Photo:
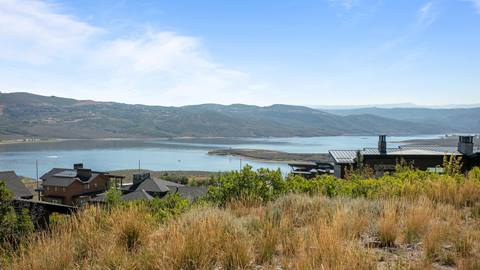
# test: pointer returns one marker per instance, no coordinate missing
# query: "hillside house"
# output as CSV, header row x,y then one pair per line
x,y
146,187
73,186
15,185
383,159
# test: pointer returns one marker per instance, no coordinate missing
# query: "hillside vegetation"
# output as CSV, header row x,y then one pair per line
x,y
260,220
27,115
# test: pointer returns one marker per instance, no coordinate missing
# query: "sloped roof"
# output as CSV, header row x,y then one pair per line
x,y
168,183
343,156
15,185
192,193
151,185
64,177
140,194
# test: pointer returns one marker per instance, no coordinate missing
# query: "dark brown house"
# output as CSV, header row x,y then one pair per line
x,y
383,159
73,186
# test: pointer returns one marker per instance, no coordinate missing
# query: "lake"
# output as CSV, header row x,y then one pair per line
x,y
169,154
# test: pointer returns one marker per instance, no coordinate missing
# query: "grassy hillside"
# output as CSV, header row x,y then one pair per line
x,y
259,220
28,115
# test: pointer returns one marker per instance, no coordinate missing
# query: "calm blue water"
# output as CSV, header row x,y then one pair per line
x,y
179,154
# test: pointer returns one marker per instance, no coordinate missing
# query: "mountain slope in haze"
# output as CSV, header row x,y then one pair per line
x,y
29,115
456,119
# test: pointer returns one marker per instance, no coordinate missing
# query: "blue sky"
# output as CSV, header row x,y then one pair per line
x,y
324,52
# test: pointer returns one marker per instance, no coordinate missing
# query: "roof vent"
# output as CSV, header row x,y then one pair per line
x,y
140,177
84,174
382,144
77,166
465,145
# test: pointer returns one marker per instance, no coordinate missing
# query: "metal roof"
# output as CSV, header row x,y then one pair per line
x,y
343,156
349,156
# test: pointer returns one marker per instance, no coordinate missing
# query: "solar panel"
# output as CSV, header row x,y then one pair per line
x,y
66,174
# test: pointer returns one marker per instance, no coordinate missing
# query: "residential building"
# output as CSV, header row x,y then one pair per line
x,y
383,159
73,186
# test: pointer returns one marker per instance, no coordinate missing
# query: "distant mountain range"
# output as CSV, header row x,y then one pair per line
x,y
462,120
25,115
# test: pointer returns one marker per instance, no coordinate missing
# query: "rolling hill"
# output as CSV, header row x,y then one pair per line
x,y
453,120
28,115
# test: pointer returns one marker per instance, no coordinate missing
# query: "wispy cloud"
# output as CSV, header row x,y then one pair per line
x,y
476,4
347,4
426,14
63,55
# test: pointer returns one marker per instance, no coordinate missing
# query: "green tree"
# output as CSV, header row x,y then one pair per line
x,y
113,196
247,184
8,218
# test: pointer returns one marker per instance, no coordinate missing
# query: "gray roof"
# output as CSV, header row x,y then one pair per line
x,y
192,193
15,185
63,177
343,156
140,194
168,183
152,185
349,156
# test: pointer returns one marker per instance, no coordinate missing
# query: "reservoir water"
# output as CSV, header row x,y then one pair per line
x,y
171,154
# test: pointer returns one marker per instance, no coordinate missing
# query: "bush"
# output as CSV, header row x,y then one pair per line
x,y
262,185
13,226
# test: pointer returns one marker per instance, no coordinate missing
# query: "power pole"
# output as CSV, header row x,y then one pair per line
x,y
38,182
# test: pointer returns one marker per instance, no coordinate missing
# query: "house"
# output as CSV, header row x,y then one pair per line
x,y
15,185
383,159
73,186
146,187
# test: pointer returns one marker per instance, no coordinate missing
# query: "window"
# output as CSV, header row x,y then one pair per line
x,y
64,189
55,188
95,185
56,201
86,186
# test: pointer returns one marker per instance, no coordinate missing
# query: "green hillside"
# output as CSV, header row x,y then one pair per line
x,y
28,115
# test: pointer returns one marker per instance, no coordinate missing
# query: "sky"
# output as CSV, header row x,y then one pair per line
x,y
262,52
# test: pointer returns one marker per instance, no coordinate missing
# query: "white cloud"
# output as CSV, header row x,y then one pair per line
x,y
32,32
62,55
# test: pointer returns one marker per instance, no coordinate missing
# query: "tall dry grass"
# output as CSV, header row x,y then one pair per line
x,y
293,232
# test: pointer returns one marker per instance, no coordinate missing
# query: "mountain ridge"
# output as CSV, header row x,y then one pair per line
x,y
28,115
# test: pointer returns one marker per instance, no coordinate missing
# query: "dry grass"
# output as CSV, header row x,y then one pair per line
x,y
293,232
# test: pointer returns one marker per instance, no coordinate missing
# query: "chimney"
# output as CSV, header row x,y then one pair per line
x,y
84,174
465,145
382,144
140,177
77,166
